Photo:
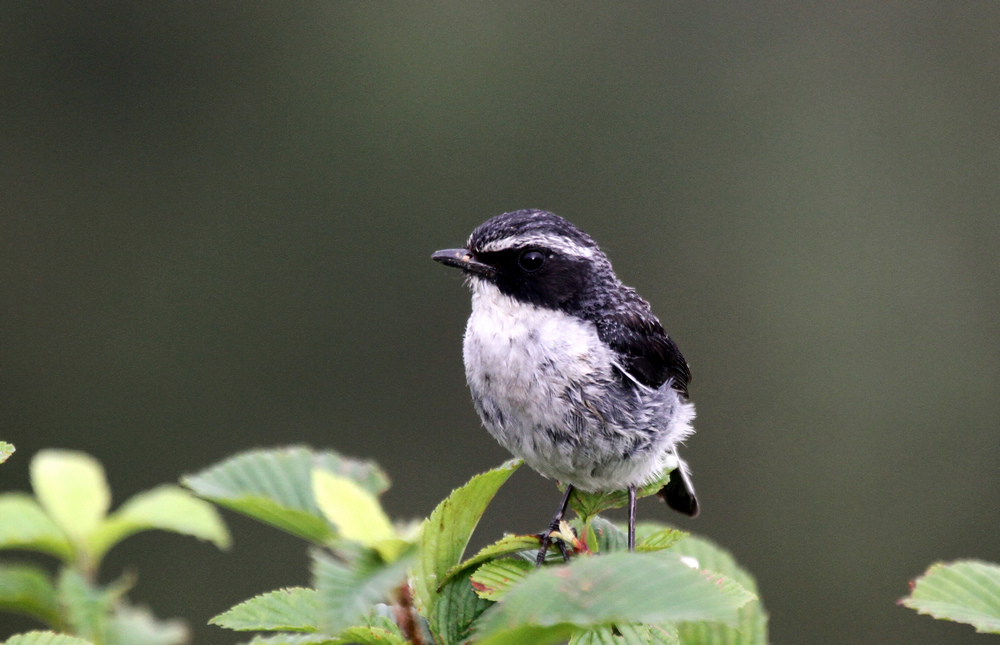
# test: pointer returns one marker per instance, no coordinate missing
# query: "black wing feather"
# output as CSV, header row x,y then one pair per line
x,y
651,358
644,349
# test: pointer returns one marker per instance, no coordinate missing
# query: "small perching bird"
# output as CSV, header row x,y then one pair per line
x,y
568,368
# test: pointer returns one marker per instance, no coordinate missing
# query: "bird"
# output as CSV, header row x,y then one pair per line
x,y
568,368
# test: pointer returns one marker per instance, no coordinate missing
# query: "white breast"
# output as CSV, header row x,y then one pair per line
x,y
524,355
520,360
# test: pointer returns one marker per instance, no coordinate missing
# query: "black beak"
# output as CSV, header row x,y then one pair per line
x,y
463,259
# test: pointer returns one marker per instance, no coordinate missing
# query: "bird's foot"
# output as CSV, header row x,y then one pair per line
x,y
564,537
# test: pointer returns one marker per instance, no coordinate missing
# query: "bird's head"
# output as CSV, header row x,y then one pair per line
x,y
535,257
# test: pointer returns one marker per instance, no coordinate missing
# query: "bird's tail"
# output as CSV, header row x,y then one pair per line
x,y
679,491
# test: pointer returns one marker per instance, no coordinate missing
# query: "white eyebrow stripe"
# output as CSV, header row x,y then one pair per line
x,y
555,242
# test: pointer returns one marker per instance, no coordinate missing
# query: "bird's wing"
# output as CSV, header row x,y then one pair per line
x,y
646,354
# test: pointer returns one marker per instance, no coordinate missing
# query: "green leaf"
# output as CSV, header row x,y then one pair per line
x,y
294,639
24,525
627,635
751,628
369,636
659,539
492,580
383,617
137,626
27,589
6,450
302,524
275,487
965,591
380,631
167,508
506,545
293,610
45,638
587,505
347,591
443,540
356,513
667,634
71,486
606,537
447,531
534,634
614,588
456,608
88,609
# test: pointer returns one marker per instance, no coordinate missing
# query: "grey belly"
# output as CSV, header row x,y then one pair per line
x,y
598,436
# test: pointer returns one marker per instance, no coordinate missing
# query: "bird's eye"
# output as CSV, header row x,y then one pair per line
x,y
531,261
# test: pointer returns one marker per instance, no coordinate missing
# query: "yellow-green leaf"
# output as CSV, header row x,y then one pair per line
x,y
355,512
71,487
275,486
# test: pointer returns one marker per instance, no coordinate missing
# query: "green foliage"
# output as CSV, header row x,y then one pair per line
x,y
370,636
603,536
445,535
361,561
68,518
359,557
73,491
588,505
616,588
167,508
45,638
24,525
275,487
664,634
356,514
88,606
291,610
506,545
658,538
27,589
450,607
131,625
492,580
966,591
373,581
348,590
292,639
717,564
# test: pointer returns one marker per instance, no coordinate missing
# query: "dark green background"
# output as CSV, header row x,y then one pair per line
x,y
217,221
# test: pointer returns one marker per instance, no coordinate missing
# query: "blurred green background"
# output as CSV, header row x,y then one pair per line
x,y
217,220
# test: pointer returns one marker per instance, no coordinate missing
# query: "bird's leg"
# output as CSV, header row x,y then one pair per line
x,y
553,526
631,518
